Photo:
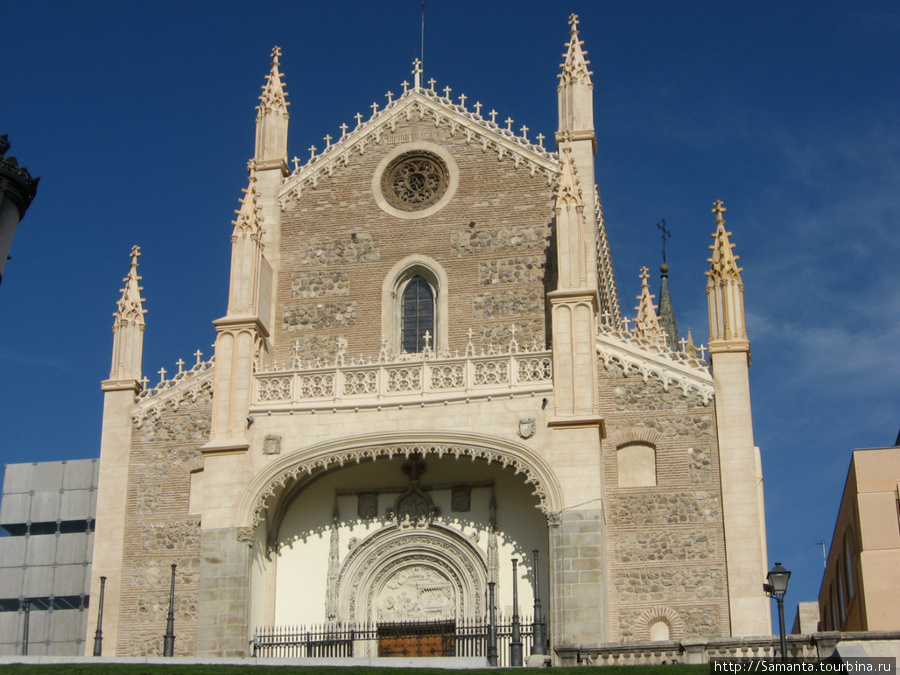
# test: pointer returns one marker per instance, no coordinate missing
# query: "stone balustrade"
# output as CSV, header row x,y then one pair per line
x,y
403,382
808,647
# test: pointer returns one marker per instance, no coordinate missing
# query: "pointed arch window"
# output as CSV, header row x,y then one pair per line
x,y
414,302
417,318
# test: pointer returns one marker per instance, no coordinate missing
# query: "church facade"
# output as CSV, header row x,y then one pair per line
x,y
424,373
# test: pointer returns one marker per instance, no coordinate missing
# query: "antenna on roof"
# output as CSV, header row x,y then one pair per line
x,y
423,36
661,226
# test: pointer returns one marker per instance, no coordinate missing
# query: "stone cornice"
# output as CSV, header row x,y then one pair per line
x,y
423,104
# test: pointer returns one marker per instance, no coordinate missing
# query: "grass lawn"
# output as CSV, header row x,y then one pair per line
x,y
178,669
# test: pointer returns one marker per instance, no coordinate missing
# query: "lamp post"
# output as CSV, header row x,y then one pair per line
x,y
492,627
169,637
17,190
539,640
98,636
776,587
515,643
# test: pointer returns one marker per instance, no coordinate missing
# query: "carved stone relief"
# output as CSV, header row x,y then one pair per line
x,y
461,498
367,505
417,593
272,445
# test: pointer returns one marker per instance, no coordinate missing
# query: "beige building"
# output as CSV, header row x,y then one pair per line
x,y
424,372
861,587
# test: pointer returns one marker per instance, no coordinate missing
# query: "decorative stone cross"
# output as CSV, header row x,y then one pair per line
x,y
199,356
683,344
162,374
625,323
343,129
296,162
405,85
447,91
702,351
180,364
719,209
427,338
573,21
513,329
606,316
327,140
493,115
508,121
390,97
312,151
374,108
358,117
417,73
540,138
462,100
524,131
478,106
431,84
145,381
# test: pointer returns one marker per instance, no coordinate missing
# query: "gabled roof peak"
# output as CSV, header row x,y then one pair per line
x,y
575,67
422,103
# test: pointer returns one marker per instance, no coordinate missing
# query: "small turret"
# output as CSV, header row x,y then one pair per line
x,y
128,327
272,121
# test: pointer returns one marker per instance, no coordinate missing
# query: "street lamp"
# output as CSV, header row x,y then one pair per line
x,y
778,579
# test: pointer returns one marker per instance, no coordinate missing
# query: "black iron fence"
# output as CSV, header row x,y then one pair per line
x,y
419,638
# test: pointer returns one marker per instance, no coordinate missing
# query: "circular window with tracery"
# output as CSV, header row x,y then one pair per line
x,y
415,180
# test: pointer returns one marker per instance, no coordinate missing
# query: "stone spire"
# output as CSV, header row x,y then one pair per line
x,y
575,90
272,120
647,323
128,327
666,311
725,292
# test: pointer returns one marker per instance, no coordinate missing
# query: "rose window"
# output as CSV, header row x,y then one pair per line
x,y
415,180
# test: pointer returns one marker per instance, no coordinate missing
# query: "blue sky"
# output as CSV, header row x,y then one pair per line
x,y
139,117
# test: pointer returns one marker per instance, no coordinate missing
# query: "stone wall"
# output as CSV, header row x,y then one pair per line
x,y
580,577
491,239
160,531
666,542
225,589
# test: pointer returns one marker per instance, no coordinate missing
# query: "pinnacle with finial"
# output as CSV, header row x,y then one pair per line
x,y
273,97
574,67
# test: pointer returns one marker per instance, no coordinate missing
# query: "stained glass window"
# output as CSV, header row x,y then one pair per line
x,y
417,315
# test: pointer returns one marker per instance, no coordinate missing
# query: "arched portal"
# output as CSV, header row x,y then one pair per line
x,y
413,535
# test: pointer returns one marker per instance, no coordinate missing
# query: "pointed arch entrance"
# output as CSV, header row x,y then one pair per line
x,y
349,534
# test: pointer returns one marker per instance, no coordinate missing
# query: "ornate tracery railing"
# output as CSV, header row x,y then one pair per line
x,y
402,381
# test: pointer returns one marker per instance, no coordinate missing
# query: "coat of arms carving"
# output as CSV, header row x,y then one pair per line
x,y
526,427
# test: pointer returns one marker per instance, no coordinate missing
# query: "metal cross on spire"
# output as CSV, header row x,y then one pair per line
x,y
661,226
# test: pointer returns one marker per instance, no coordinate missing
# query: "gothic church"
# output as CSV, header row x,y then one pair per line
x,y
423,373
